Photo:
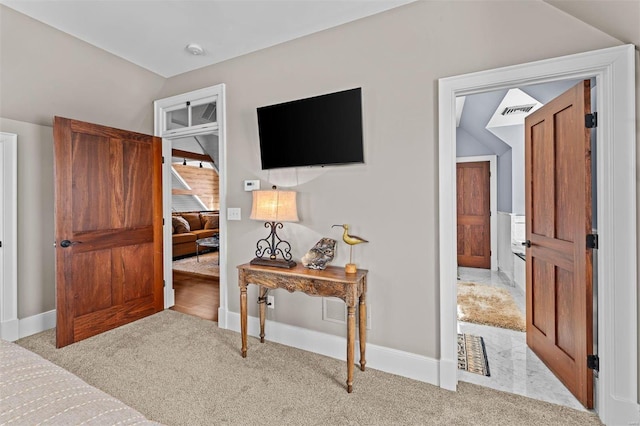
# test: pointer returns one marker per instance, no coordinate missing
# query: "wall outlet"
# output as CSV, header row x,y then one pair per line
x,y
271,302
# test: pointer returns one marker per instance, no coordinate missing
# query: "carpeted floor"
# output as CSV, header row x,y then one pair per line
x,y
181,370
489,305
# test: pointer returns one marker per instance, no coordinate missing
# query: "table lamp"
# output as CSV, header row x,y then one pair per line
x,y
274,207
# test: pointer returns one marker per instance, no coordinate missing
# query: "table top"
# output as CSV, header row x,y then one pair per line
x,y
209,242
331,273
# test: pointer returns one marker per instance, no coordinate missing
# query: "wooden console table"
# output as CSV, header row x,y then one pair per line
x,y
331,282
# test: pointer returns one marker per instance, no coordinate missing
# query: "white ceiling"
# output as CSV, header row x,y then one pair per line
x,y
154,33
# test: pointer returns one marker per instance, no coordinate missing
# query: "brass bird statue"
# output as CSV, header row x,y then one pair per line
x,y
351,240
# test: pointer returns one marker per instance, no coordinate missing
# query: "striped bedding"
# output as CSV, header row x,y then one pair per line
x,y
35,391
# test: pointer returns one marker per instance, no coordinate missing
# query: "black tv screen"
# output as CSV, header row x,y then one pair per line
x,y
321,130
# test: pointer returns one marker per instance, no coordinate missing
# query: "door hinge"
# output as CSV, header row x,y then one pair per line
x,y
164,283
163,160
591,120
163,221
593,362
592,241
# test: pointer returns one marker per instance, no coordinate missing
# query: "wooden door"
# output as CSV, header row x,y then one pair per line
x,y
108,228
474,214
558,219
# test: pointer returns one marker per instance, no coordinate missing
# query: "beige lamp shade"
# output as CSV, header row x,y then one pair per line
x,y
274,206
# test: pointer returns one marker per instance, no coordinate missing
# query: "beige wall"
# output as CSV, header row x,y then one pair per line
x,y
46,72
397,58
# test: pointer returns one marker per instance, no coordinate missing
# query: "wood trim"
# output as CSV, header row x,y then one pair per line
x,y
191,155
158,228
62,155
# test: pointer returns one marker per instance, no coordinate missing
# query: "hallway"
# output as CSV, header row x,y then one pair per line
x,y
513,366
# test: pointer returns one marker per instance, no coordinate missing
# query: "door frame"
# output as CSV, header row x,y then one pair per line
x,y
614,70
493,201
9,329
217,91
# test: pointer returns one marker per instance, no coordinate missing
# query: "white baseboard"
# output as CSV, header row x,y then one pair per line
x,y
9,330
16,329
406,364
36,323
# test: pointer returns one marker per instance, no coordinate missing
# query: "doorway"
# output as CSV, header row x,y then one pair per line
x,y
197,113
474,241
616,266
491,305
195,211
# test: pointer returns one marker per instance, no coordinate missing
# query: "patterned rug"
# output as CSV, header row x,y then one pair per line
x,y
208,265
472,355
489,305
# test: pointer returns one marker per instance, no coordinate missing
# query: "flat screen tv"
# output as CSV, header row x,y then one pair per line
x,y
316,131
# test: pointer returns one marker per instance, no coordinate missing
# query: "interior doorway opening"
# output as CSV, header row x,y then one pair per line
x,y
195,211
614,71
199,114
492,305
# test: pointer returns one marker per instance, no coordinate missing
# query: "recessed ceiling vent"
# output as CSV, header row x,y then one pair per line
x,y
517,109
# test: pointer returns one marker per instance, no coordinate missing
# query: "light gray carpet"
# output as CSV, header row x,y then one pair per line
x,y
182,370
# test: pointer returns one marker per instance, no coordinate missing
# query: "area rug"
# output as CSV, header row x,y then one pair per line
x,y
472,354
208,265
489,305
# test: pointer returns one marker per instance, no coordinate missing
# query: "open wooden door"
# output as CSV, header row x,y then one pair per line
x,y
474,214
108,208
558,220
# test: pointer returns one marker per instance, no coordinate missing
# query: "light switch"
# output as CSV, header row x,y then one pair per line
x,y
234,213
252,185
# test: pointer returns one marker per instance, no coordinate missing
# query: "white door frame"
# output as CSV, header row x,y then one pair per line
x,y
9,237
214,92
493,201
614,70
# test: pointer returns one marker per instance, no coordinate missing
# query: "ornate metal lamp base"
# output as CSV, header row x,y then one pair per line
x,y
268,248
278,263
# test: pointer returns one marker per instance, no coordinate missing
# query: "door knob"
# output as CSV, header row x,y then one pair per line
x,y
67,243
527,243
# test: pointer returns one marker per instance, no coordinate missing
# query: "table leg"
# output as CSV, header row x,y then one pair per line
x,y
362,324
197,254
351,331
243,318
263,304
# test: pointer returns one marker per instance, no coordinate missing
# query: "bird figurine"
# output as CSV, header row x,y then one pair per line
x,y
351,240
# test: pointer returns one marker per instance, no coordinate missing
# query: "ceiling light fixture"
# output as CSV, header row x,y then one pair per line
x,y
195,49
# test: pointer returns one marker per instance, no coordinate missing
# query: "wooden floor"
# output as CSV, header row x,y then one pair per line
x,y
196,295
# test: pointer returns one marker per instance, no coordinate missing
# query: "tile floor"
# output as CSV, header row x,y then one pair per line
x,y
513,366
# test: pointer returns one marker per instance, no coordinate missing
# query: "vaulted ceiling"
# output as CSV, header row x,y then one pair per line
x,y
154,34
